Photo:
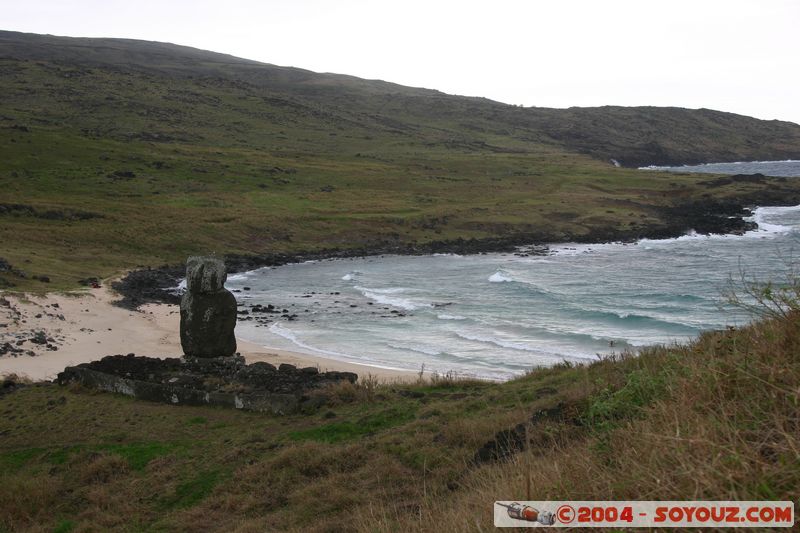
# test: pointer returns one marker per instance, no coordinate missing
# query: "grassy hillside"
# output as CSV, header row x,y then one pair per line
x,y
116,153
634,135
717,419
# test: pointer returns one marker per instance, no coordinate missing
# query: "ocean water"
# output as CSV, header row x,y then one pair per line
x,y
497,315
788,168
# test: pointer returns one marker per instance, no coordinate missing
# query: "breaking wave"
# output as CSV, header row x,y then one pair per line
x,y
385,297
419,348
512,345
445,316
500,277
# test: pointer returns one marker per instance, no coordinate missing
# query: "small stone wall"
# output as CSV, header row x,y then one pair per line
x,y
224,382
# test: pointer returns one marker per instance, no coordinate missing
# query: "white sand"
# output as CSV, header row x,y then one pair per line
x,y
93,328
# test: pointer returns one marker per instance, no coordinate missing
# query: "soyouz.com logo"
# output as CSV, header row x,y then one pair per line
x,y
643,514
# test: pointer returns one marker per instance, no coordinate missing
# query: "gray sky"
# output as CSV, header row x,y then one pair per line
x,y
732,55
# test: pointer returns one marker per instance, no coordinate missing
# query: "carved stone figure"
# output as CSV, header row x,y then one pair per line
x,y
208,310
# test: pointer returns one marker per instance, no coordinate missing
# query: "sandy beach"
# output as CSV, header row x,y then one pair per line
x,y
85,326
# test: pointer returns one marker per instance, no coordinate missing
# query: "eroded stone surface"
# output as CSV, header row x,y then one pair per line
x,y
205,275
222,381
207,324
208,310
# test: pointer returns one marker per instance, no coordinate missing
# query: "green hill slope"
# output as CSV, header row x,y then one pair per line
x,y
634,136
115,153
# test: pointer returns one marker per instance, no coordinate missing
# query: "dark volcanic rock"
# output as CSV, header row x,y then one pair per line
x,y
149,285
6,267
737,178
39,338
520,437
47,214
207,324
223,381
10,384
208,310
205,275
8,348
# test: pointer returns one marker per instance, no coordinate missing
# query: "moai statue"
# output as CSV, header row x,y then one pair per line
x,y
208,310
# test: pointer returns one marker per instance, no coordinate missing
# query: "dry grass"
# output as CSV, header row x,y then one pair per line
x,y
22,499
725,426
717,419
15,378
344,392
448,379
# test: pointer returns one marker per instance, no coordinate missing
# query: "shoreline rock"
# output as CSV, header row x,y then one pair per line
x,y
705,216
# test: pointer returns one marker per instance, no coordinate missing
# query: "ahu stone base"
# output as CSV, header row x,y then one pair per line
x,y
223,382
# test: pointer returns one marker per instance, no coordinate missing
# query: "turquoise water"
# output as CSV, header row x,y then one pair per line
x,y
497,315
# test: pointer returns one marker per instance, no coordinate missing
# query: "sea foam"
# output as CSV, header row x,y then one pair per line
x,y
500,277
289,335
419,348
445,316
385,297
759,217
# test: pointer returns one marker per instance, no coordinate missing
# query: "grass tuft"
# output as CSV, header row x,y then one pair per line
x,y
189,493
342,431
64,526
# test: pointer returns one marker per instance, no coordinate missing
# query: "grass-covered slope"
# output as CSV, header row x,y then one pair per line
x,y
116,153
640,136
717,419
632,135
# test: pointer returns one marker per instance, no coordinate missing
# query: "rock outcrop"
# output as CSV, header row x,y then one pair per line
x,y
208,310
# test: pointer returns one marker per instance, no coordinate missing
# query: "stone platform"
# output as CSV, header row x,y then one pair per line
x,y
221,381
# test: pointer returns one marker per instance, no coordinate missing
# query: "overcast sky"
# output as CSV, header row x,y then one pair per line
x,y
732,55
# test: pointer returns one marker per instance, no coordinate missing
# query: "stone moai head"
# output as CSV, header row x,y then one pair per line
x,y
208,310
205,274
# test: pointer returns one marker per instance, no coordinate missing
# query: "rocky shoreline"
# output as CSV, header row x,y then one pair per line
x,y
14,343
706,216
